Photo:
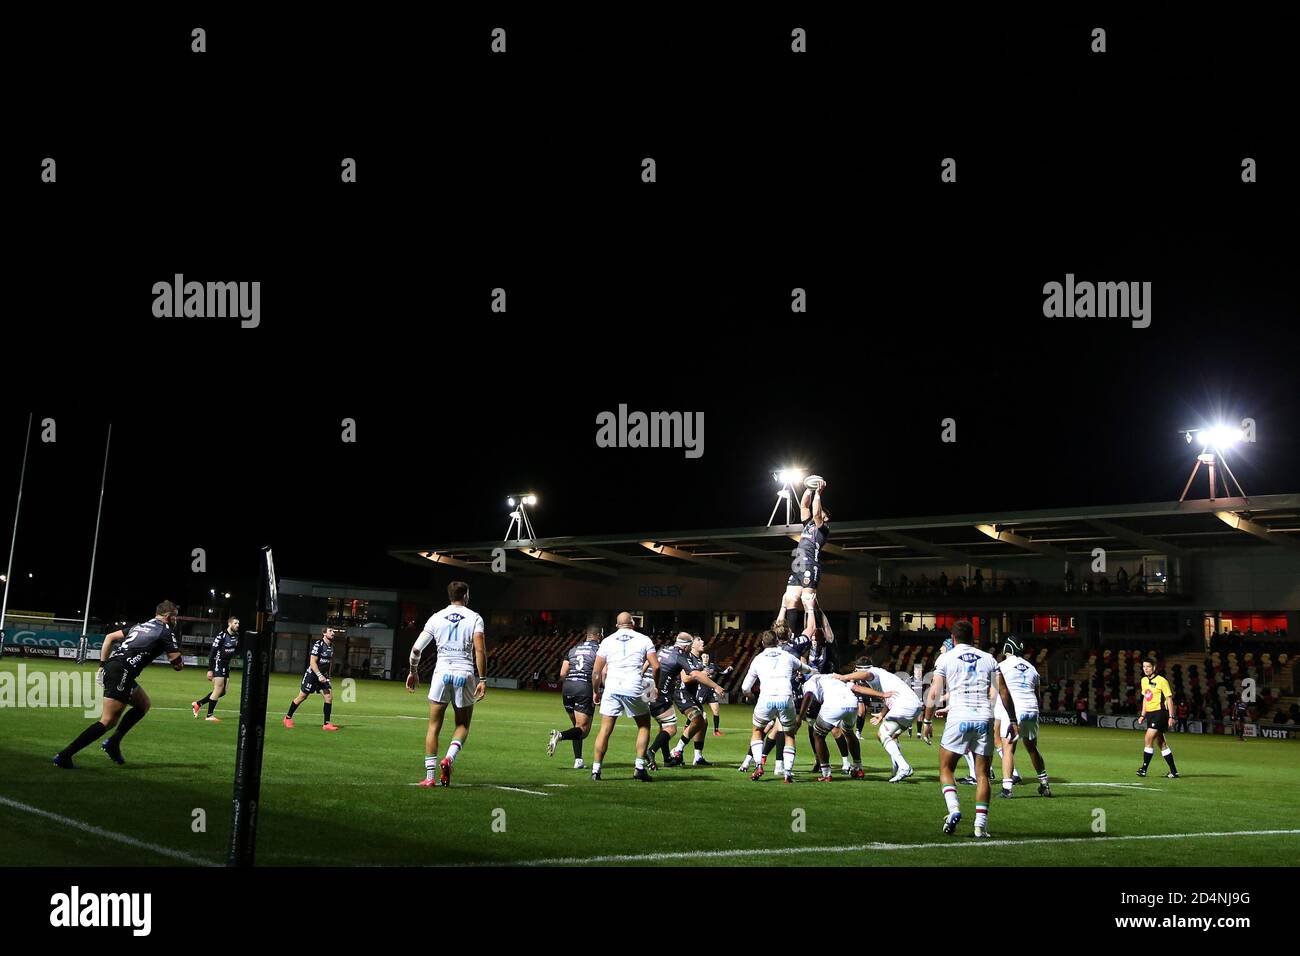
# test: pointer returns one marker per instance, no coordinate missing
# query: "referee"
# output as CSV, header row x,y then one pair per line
x,y
1156,700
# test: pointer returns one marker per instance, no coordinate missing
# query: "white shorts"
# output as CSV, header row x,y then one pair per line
x,y
969,735
616,705
830,718
904,710
780,709
443,689
1026,723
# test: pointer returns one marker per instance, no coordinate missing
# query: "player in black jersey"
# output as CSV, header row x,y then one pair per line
x,y
136,649
224,646
575,674
707,696
675,663
806,568
691,679
317,678
1240,712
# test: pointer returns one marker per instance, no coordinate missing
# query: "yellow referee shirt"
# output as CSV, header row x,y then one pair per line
x,y
1155,691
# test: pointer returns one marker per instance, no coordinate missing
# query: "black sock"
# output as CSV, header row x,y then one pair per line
x,y
577,747
699,745
661,743
715,722
794,620
1146,758
573,733
293,705
769,745
212,705
206,698
861,723
843,745
328,708
85,738
812,742
1169,759
133,717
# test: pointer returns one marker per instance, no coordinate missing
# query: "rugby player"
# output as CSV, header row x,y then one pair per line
x,y
617,685
775,670
224,646
316,679
1240,712
1154,711
902,707
1021,678
834,707
691,679
136,649
575,677
806,568
708,697
461,646
969,674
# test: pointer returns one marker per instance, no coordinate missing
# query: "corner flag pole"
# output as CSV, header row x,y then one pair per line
x,y
94,549
9,574
252,718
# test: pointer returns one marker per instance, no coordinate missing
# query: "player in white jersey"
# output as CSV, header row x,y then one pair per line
x,y
968,674
1021,678
902,707
775,670
618,685
837,708
458,637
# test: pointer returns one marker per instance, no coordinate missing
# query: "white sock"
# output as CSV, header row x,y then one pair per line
x,y
453,750
699,755
780,767
950,798
896,755
1007,783
846,763
744,764
789,759
595,767
970,762
640,763
430,765
756,752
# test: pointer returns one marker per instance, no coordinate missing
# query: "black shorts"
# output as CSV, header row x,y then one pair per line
x,y
689,706
221,669
312,685
804,573
577,697
1157,720
706,696
662,710
119,683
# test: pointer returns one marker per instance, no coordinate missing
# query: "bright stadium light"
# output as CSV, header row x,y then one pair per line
x,y
787,478
1219,438
519,520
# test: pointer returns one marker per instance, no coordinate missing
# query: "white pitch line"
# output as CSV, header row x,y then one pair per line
x,y
1122,786
107,834
864,847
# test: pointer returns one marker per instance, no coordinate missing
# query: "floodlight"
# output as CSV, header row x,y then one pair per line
x,y
511,501
519,521
1219,438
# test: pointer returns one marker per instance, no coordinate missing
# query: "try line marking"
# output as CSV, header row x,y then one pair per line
x,y
107,834
864,847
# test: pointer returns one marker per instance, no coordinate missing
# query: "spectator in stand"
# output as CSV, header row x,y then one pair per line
x,y
1121,580
1069,579
1182,711
1081,708
979,580
943,582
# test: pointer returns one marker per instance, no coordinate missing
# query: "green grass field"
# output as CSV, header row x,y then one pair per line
x,y
347,798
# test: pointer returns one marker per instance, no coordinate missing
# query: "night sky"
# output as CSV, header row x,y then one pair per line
x,y
924,299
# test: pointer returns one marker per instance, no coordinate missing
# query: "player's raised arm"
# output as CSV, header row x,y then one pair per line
x,y
818,516
805,505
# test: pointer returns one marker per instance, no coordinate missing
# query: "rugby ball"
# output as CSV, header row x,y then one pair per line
x,y
814,482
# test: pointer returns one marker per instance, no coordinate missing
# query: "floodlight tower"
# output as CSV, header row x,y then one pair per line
x,y
519,522
787,478
1219,438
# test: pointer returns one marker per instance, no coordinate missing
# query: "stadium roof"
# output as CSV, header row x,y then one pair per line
x,y
861,547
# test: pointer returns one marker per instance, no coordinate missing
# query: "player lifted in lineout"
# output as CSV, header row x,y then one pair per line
x,y
806,568
458,677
